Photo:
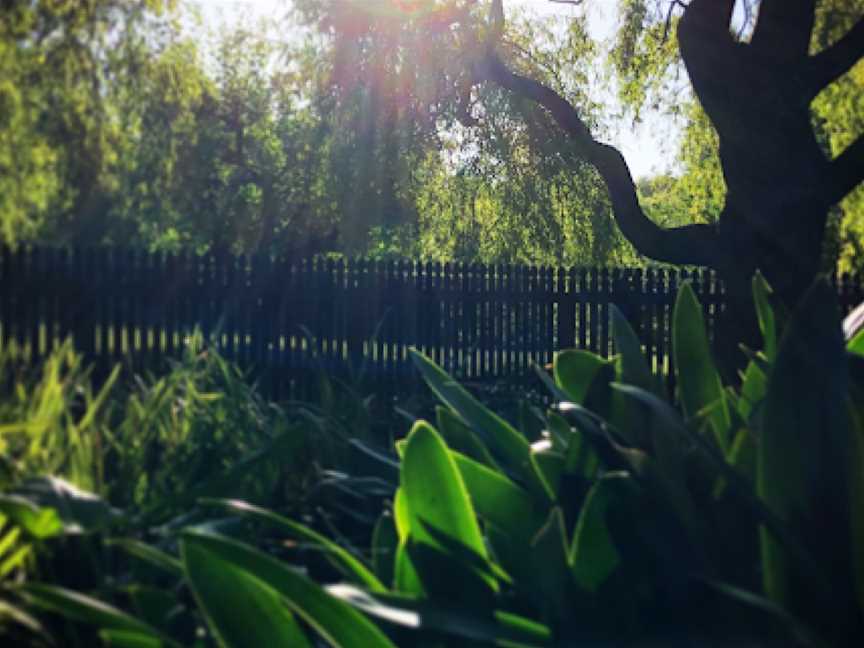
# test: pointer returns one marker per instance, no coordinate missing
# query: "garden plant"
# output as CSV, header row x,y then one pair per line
x,y
729,514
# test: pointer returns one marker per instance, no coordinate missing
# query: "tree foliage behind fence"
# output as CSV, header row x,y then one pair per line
x,y
285,317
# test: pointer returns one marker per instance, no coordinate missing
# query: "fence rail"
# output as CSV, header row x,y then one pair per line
x,y
285,316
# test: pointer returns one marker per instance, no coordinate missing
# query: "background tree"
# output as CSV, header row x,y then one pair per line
x,y
61,64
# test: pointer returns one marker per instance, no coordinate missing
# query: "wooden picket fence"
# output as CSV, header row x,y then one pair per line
x,y
287,317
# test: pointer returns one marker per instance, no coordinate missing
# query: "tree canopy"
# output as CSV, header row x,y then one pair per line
x,y
448,129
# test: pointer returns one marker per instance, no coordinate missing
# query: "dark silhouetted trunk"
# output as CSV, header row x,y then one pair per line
x,y
780,185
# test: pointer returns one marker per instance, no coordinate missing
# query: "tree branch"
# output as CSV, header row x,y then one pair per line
x,y
692,244
847,170
833,62
783,28
712,58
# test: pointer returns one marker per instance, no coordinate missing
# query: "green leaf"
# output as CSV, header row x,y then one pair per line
x,y
85,609
634,367
593,554
765,314
127,639
39,523
152,605
405,577
497,499
347,564
665,469
550,464
435,499
96,404
754,385
79,510
697,377
804,448
338,623
149,554
13,613
240,609
501,438
549,566
580,458
435,492
385,542
856,344
462,438
575,371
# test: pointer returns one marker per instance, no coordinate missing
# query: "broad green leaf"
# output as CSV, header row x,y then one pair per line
x,y
593,555
856,344
406,580
149,554
634,367
128,639
435,491
85,609
697,377
338,623
438,507
461,438
575,371
240,609
550,465
405,577
580,458
454,551
79,510
38,522
501,438
805,431
754,385
385,542
549,566
401,515
153,605
344,561
497,499
559,431
665,469
765,314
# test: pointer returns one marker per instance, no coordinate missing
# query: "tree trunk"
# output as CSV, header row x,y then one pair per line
x,y
780,185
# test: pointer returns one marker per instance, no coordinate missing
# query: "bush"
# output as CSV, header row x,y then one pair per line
x,y
734,516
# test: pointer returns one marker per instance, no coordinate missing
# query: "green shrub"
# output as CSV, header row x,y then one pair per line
x,y
735,517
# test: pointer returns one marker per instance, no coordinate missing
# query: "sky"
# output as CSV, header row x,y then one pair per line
x,y
649,147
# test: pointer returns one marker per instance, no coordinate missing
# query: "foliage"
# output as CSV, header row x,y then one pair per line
x,y
839,115
256,141
628,520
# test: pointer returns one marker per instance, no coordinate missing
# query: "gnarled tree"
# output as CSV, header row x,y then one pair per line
x,y
757,94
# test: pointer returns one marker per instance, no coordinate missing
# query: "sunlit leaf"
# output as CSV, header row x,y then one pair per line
x,y
338,623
